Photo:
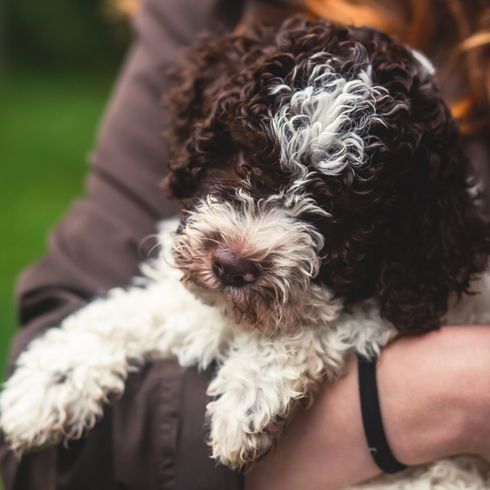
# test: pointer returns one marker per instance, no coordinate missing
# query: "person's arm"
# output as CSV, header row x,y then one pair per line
x,y
435,402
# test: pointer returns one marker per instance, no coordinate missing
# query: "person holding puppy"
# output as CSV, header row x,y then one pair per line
x,y
431,388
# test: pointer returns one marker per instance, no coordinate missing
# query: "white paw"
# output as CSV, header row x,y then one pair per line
x,y
239,437
50,399
36,411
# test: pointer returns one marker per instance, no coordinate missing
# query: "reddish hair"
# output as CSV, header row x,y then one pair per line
x,y
123,7
456,31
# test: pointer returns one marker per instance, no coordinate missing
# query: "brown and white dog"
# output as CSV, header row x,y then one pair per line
x,y
329,208
323,155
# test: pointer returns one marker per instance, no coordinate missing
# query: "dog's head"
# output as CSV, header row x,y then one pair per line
x,y
320,166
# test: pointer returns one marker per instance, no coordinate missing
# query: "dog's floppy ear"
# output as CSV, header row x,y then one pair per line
x,y
196,80
441,242
203,92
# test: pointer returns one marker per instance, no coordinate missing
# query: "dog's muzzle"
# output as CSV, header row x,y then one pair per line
x,y
255,259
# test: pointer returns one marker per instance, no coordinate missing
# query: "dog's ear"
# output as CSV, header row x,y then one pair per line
x,y
206,84
441,241
196,80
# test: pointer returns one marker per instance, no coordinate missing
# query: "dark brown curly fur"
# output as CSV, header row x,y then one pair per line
x,y
403,227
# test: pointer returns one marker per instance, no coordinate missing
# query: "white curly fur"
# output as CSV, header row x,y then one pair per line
x,y
65,377
326,122
268,231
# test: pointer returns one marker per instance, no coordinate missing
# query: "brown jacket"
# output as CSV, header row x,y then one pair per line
x,y
152,438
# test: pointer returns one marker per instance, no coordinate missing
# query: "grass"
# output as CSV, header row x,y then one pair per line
x,y
47,128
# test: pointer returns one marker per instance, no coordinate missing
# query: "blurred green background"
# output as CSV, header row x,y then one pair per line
x,y
58,60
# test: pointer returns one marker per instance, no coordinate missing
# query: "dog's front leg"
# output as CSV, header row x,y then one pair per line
x,y
64,378
255,391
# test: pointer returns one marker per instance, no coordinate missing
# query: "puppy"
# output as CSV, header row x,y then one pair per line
x,y
328,210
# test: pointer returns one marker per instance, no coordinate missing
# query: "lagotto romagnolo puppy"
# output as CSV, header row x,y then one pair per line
x,y
329,208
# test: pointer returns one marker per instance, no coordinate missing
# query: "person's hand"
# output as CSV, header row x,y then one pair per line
x,y
435,402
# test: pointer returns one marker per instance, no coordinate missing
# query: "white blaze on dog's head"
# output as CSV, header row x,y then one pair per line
x,y
281,256
325,123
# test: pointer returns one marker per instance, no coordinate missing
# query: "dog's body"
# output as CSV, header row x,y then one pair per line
x,y
330,210
64,379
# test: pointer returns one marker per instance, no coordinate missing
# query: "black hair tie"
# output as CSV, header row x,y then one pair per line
x,y
371,417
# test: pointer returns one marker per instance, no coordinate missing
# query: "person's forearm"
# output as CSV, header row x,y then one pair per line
x,y
429,389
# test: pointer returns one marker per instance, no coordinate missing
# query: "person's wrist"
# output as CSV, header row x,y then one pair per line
x,y
469,387
425,417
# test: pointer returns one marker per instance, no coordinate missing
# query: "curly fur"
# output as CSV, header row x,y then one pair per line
x,y
326,156
63,380
354,121
266,233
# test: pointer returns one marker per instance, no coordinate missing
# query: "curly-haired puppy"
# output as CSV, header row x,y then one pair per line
x,y
328,166
328,208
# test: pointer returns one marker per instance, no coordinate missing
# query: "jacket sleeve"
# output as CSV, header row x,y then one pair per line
x,y
97,246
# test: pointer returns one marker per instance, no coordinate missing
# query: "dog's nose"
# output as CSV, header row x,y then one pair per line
x,y
233,270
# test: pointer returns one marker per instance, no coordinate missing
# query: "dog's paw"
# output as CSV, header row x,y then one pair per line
x,y
38,410
52,398
238,448
239,439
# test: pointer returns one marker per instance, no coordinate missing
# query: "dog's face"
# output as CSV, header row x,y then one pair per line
x,y
320,166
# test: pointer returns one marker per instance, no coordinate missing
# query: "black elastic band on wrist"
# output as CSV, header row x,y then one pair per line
x,y
371,418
